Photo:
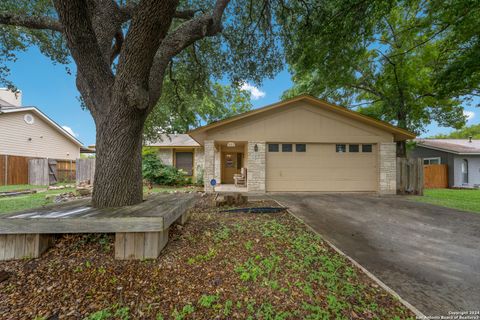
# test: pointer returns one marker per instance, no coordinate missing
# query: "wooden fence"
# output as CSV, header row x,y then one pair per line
x,y
435,176
410,176
85,170
13,170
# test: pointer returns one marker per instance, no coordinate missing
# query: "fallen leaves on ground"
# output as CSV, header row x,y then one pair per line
x,y
217,266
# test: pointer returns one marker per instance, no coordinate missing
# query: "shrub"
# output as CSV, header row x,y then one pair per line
x,y
154,171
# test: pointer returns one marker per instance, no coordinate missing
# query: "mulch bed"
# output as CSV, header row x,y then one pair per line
x,y
217,266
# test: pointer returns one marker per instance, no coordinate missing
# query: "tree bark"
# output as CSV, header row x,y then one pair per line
x,y
118,171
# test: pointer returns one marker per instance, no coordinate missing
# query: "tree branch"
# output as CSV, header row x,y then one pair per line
x,y
32,22
185,35
149,26
84,47
128,11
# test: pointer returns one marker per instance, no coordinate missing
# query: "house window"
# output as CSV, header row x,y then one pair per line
x,y
301,147
366,148
353,148
432,160
465,171
287,147
273,147
184,161
341,148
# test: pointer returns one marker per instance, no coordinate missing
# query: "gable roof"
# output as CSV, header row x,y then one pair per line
x,y
457,146
173,140
399,133
45,118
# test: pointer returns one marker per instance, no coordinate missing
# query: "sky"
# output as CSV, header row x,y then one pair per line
x,y
49,87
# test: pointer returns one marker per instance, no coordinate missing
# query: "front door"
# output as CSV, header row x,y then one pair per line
x,y
231,165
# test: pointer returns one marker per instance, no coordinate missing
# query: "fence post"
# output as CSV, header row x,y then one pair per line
x,y
420,176
6,170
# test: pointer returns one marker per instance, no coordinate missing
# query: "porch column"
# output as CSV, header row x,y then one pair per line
x,y
387,153
256,166
209,169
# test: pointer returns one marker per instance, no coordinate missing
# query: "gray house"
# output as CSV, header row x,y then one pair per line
x,y
461,155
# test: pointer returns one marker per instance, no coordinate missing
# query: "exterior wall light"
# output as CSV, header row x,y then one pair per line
x,y
255,148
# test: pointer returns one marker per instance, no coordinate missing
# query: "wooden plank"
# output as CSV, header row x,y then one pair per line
x,y
31,245
120,245
152,245
435,176
3,245
19,246
10,247
129,245
139,250
85,225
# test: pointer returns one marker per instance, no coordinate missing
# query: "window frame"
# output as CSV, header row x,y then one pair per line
x,y
190,171
430,160
354,144
274,144
367,144
344,147
301,144
287,144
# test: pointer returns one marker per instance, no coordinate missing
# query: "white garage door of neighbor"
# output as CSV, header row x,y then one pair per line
x,y
321,168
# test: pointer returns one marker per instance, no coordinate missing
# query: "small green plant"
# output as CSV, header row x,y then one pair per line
x,y
203,257
222,234
227,308
248,245
207,301
180,315
100,315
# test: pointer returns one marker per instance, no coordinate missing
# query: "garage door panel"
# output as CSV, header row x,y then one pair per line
x,y
321,168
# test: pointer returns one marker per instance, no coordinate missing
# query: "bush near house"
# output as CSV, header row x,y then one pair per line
x,y
154,171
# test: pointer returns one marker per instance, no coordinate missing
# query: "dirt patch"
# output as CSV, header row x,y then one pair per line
x,y
217,266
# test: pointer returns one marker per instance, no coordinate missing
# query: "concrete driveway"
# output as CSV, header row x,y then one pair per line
x,y
429,255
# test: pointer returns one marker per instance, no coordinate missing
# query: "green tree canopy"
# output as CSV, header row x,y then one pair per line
x,y
464,133
383,58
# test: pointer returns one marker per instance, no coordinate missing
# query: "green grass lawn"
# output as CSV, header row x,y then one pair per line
x,y
23,202
20,187
468,200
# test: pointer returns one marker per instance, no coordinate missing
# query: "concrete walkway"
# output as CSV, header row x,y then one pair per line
x,y
429,255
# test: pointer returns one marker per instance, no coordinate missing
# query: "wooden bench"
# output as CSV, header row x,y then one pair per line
x,y
141,231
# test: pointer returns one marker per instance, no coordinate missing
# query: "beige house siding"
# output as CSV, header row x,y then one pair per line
x,y
299,122
321,168
39,139
166,156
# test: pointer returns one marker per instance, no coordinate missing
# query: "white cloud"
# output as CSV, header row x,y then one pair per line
x,y
69,130
254,91
469,114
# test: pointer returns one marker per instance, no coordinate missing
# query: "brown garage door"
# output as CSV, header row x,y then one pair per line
x,y
321,168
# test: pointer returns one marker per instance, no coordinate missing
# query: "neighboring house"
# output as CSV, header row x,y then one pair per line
x,y
462,156
301,144
27,132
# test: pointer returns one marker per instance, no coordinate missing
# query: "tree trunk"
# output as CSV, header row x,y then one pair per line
x,y
118,171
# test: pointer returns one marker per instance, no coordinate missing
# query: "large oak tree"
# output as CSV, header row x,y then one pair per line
x,y
124,50
408,62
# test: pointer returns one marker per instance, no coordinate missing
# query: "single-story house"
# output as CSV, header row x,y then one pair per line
x,y
462,157
300,144
28,132
180,151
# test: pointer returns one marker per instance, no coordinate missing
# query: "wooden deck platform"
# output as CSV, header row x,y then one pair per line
x,y
141,231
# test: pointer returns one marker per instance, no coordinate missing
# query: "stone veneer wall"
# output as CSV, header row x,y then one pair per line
x,y
199,162
387,156
209,167
256,166
166,156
